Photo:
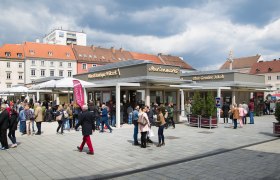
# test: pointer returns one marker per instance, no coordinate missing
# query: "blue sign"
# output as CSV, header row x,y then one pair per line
x,y
218,102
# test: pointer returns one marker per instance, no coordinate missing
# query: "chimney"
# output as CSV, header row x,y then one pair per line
x,y
113,50
93,47
37,40
121,49
159,54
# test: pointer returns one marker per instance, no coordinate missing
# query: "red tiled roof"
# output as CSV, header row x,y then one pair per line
x,y
100,55
48,51
240,63
149,57
175,61
266,67
13,49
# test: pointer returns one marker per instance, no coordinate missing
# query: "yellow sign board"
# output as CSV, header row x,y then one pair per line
x,y
163,70
115,72
208,77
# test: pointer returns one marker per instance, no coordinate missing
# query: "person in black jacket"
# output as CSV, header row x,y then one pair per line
x,y
86,120
4,125
13,126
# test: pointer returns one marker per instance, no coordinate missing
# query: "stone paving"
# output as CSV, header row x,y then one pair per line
x,y
251,152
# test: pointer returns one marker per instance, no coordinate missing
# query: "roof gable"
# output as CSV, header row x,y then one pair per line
x,y
240,63
175,61
263,67
141,56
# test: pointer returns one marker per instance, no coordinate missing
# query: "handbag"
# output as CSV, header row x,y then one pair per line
x,y
58,118
151,133
141,120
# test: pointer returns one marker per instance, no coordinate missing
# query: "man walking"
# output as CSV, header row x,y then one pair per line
x,y
134,120
104,118
86,120
4,125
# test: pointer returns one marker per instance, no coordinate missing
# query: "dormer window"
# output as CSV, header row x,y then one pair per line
x,y
269,69
80,55
95,56
257,70
90,56
103,57
85,55
7,54
19,55
32,52
68,54
50,53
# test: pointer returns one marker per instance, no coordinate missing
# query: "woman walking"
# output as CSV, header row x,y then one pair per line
x,y
38,117
59,118
241,115
235,113
144,128
161,122
13,126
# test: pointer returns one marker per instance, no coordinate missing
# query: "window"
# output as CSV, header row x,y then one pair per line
x,y
60,64
33,81
42,63
42,72
80,55
68,54
269,69
19,65
85,55
94,65
8,75
69,65
51,63
50,53
33,63
103,57
33,72
31,51
7,54
90,56
19,55
51,72
69,74
8,64
95,56
278,77
60,73
20,76
84,66
9,85
268,77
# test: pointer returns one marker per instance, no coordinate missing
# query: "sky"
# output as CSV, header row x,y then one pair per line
x,y
202,32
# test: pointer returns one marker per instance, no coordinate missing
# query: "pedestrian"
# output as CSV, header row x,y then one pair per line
x,y
129,112
104,118
13,126
28,118
246,111
38,117
86,120
59,118
66,111
144,128
4,125
225,109
188,107
235,115
22,120
251,111
151,120
241,115
170,111
161,124
135,123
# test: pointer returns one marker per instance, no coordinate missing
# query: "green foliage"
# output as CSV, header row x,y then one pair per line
x,y
210,105
198,103
277,112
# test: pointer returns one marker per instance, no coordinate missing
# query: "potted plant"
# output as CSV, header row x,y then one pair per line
x,y
276,125
197,107
209,118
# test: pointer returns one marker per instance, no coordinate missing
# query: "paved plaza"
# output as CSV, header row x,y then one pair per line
x,y
251,152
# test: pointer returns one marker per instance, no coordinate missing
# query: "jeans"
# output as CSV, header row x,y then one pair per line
x,y
130,118
22,126
160,134
12,136
4,141
235,123
135,133
113,120
28,128
251,117
33,127
60,125
106,123
244,119
98,123
144,139
38,124
66,124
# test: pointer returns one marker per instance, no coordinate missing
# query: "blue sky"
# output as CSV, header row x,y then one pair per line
x,y
201,31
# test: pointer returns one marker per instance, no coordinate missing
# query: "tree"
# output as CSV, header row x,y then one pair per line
x,y
210,105
198,103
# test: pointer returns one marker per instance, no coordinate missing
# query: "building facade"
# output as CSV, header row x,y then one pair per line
x,y
65,37
48,60
12,65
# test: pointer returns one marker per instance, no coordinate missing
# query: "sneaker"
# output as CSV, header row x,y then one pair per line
x,y
13,145
163,144
79,149
111,130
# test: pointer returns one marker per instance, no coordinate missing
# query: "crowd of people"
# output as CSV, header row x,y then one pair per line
x,y
27,116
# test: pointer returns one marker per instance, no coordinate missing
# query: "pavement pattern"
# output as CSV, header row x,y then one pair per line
x,y
251,152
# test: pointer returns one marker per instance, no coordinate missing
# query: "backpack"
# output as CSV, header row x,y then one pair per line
x,y
65,114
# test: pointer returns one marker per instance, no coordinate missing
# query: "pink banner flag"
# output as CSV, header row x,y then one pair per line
x,y
78,93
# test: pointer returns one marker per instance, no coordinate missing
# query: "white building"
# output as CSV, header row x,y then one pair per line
x,y
64,37
11,65
48,60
